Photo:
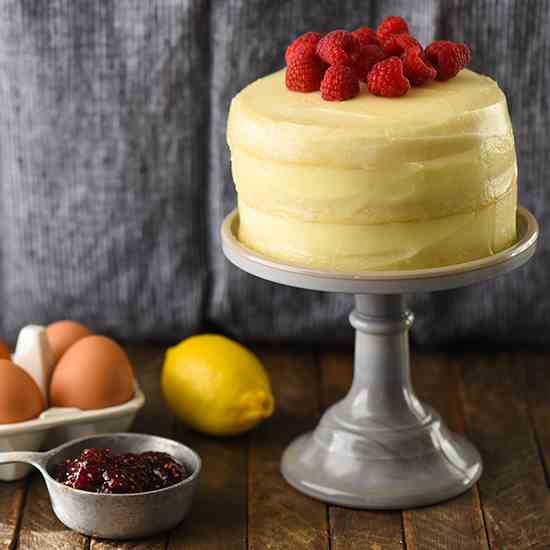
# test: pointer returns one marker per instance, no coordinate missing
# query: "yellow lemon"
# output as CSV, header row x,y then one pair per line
x,y
216,386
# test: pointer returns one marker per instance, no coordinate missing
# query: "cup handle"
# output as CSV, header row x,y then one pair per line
x,y
34,458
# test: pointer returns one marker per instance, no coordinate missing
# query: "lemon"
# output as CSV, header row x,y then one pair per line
x,y
216,386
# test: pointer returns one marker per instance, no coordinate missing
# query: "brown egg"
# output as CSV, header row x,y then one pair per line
x,y
4,351
63,334
20,398
93,373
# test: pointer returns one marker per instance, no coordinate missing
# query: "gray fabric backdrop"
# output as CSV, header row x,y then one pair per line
x,y
115,176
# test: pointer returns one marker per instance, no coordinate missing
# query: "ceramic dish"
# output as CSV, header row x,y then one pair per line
x,y
55,425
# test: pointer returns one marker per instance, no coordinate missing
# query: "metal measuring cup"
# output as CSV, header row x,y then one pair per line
x,y
116,516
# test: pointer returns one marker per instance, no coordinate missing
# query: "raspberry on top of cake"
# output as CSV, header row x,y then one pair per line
x,y
390,60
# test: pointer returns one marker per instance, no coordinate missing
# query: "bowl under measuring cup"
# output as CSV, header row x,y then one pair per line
x,y
116,516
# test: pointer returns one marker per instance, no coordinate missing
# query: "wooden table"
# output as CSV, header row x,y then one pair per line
x,y
501,401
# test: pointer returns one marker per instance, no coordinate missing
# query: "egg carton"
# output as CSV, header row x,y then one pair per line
x,y
56,424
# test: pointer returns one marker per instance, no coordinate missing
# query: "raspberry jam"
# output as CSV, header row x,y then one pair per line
x,y
102,471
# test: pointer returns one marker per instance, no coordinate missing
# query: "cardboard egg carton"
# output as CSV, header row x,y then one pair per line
x,y
56,424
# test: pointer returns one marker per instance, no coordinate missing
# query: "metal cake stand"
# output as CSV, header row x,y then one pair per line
x,y
380,447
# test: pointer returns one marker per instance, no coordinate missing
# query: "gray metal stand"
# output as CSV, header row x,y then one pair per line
x,y
380,447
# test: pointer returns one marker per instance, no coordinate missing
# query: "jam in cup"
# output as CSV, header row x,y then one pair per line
x,y
102,471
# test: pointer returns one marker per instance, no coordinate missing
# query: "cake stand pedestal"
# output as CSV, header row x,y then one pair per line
x,y
381,447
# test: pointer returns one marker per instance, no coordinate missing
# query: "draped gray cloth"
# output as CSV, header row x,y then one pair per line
x,y
115,174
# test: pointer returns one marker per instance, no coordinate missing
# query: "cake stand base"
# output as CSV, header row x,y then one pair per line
x,y
380,447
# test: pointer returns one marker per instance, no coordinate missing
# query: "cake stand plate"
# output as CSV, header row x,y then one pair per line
x,y
380,447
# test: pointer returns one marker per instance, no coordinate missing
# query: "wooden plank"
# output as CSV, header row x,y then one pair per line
x,y
456,524
280,517
218,518
538,392
513,491
12,497
355,528
39,526
154,418
367,529
151,543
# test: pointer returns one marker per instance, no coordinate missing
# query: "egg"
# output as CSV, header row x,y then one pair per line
x,y
4,350
20,398
63,334
93,373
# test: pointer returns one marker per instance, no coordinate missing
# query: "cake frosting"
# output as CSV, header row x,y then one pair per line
x,y
425,180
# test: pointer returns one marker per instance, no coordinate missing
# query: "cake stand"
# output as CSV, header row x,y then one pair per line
x,y
380,447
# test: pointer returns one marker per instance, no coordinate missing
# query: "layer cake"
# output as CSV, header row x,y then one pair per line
x,y
374,183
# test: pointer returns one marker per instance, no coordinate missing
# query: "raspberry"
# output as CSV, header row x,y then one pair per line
x,y
306,38
338,48
396,44
386,79
366,36
304,52
368,57
305,70
392,25
340,83
416,67
448,58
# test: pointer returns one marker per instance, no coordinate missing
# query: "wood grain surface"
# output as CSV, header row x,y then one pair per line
x,y
218,518
278,516
537,367
12,497
513,490
499,401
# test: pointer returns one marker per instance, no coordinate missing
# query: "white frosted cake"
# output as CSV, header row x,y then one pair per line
x,y
374,183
